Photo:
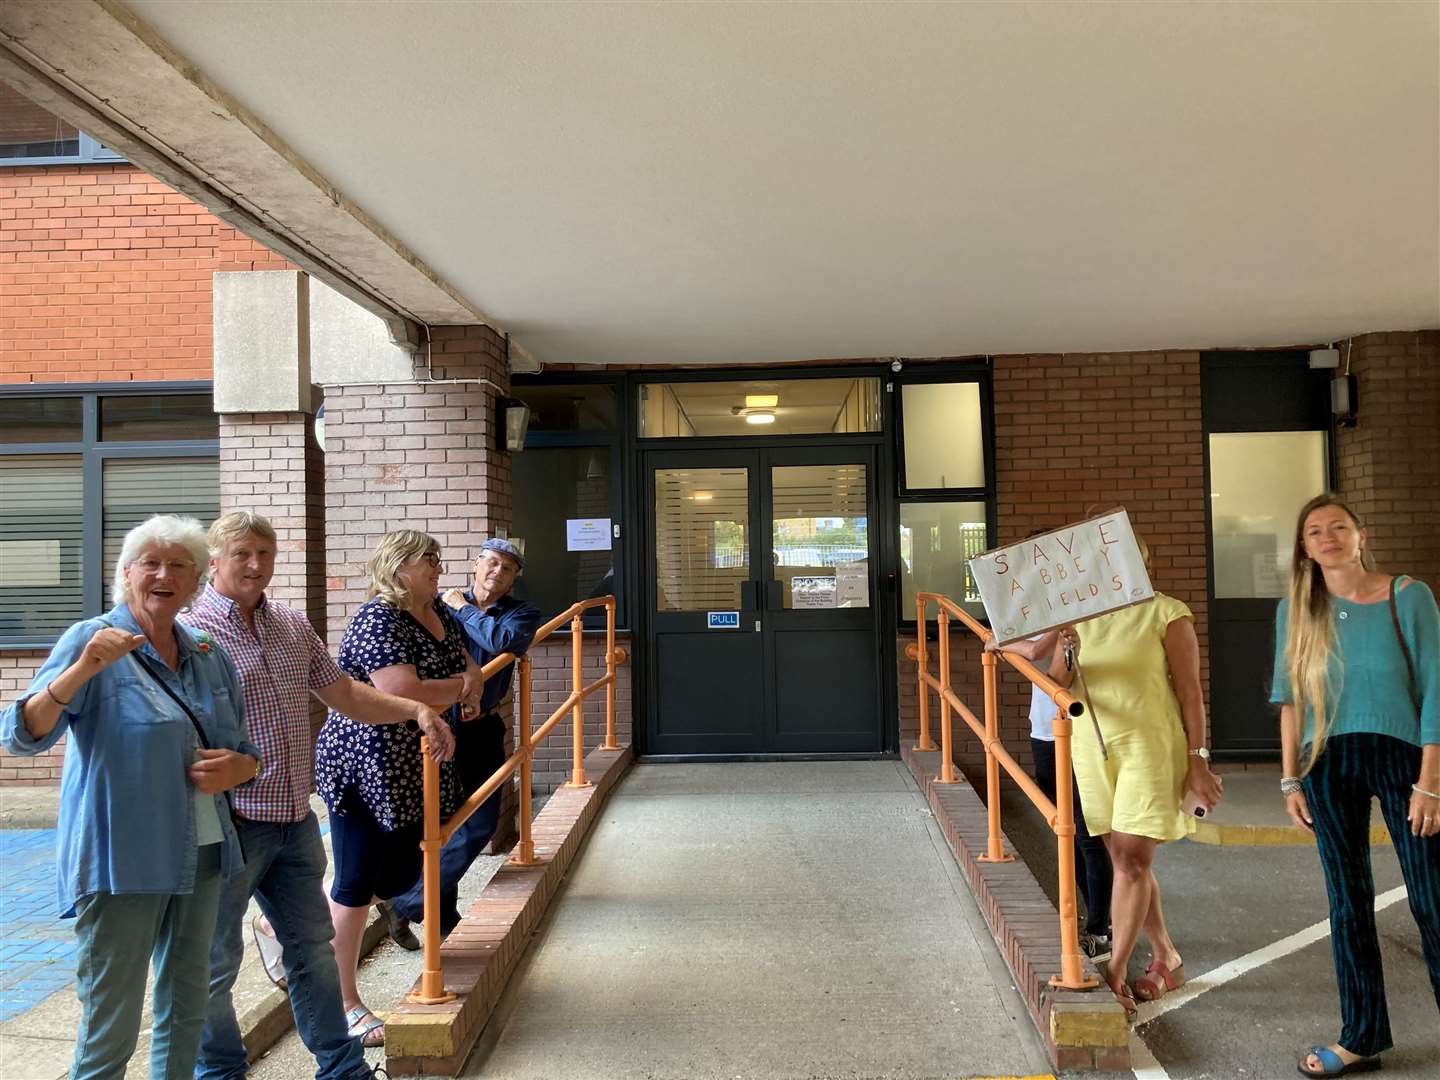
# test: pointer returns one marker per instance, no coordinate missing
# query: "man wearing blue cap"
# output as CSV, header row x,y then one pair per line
x,y
495,622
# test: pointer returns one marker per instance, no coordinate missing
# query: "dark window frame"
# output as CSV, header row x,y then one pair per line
x,y
614,441
93,454
944,374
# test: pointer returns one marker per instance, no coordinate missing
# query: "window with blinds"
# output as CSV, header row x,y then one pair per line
x,y
42,533
702,538
132,489
80,468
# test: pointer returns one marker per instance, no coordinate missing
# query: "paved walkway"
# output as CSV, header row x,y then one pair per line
x,y
37,950
798,919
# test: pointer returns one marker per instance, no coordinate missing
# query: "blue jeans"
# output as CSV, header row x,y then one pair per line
x,y
479,751
285,870
119,936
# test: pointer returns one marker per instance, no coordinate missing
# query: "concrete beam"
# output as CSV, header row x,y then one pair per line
x,y
96,65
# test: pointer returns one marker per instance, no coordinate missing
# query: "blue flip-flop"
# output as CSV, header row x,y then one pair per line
x,y
1334,1065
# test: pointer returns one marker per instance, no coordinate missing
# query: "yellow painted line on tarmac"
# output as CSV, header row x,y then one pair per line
x,y
1222,834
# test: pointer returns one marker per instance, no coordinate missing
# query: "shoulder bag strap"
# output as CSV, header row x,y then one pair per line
x,y
149,670
1400,637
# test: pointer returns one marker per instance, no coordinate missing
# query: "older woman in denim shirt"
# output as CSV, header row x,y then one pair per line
x,y
156,735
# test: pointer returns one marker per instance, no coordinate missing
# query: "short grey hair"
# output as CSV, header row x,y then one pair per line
x,y
162,529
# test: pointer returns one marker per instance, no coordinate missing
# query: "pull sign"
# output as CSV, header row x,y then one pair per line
x,y
722,620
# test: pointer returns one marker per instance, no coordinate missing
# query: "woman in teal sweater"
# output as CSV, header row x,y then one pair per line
x,y
1357,676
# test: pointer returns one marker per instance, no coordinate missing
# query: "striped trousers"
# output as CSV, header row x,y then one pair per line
x,y
1351,769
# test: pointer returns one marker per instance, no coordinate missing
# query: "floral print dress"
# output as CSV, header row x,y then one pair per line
x,y
381,763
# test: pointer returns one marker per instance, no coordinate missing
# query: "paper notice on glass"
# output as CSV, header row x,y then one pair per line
x,y
32,563
852,584
587,534
812,592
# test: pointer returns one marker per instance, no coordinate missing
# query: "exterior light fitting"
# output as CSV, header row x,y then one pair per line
x,y
514,423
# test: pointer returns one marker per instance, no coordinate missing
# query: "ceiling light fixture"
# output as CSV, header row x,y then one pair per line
x,y
761,401
759,416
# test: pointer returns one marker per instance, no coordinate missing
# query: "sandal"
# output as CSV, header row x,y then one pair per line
x,y
272,955
1126,1000
1158,981
363,1024
1334,1065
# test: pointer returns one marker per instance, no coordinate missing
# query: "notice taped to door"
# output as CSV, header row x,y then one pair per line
x,y
1072,574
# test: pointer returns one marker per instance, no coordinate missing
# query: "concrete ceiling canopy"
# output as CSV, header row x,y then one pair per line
x,y
709,183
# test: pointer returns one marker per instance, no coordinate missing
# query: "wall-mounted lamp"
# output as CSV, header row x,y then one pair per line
x,y
1345,400
514,423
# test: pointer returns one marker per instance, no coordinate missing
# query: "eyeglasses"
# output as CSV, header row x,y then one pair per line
x,y
431,559
175,566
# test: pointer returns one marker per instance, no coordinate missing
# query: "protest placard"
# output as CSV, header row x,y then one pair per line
x,y
1069,575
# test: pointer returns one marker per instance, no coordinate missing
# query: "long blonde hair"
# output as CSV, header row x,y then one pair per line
x,y
1310,633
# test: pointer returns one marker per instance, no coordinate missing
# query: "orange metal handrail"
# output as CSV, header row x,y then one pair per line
x,y
1059,814
434,835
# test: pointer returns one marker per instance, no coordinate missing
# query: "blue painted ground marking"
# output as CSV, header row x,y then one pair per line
x,y
37,948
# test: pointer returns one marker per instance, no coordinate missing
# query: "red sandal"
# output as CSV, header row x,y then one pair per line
x,y
1158,981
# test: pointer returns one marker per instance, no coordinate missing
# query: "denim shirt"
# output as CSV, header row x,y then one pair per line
x,y
127,809
505,626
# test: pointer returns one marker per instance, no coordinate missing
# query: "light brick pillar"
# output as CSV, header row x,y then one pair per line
x,y
418,454
270,463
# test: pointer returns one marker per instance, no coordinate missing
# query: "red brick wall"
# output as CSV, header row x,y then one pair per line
x,y
105,275
1390,460
1073,431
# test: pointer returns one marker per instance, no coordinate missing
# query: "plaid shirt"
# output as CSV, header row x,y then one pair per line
x,y
279,664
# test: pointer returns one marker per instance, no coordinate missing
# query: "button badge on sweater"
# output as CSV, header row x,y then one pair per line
x,y
1344,614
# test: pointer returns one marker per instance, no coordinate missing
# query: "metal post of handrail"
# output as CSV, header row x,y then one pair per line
x,y
1072,964
577,714
432,978
947,744
995,850
525,849
610,743
922,659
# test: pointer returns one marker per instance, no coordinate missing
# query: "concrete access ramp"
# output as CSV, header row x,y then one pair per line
x,y
770,919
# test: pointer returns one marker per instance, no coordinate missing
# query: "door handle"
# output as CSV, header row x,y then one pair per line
x,y
774,594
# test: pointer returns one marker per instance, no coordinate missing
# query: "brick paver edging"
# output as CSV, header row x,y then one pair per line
x,y
1082,1029
480,953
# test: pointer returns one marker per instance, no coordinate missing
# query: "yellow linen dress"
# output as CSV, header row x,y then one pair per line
x,y
1138,790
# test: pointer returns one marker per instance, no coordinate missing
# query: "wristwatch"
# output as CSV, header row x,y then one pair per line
x,y
1202,752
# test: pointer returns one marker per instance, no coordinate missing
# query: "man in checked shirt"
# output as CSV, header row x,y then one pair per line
x,y
281,663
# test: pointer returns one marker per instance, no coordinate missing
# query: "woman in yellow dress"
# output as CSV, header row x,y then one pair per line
x,y
1141,684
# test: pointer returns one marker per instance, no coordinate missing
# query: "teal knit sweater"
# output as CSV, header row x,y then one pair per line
x,y
1368,686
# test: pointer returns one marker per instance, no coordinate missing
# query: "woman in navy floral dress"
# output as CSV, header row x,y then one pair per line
x,y
406,642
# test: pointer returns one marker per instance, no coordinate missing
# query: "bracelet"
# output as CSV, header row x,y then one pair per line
x,y
1290,785
1421,791
256,775
55,699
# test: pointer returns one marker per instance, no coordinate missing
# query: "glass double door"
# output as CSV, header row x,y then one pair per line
x,y
762,626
